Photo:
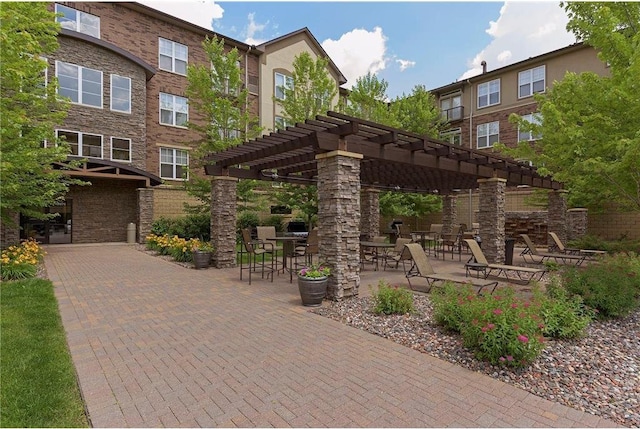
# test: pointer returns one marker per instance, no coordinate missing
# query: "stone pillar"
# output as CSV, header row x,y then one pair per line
x,y
145,213
578,222
492,218
370,213
449,214
223,220
557,215
339,220
10,231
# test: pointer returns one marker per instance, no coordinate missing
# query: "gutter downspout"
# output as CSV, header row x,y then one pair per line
x,y
246,82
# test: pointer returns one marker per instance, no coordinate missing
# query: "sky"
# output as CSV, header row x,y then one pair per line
x,y
408,43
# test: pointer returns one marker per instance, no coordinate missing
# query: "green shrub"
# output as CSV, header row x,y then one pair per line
x,y
191,226
563,315
276,221
593,242
21,261
501,328
612,286
246,219
392,300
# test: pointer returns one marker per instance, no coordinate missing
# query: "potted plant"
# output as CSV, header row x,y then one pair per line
x,y
312,284
201,252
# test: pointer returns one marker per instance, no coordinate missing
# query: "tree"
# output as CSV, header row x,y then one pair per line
x,y
368,100
30,110
589,123
418,112
221,116
303,198
312,91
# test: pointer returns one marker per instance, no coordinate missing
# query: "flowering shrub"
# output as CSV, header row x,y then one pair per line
x,y
178,248
21,262
392,300
314,271
501,328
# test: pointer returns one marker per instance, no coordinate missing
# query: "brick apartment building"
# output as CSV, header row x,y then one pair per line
x,y
123,65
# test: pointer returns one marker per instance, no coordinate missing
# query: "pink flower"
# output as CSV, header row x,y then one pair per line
x,y
510,358
514,305
527,304
523,339
502,359
497,312
491,325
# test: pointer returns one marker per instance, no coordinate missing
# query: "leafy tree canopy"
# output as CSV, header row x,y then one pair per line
x,y
590,124
31,110
312,92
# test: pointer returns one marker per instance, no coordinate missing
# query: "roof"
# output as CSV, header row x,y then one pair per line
x,y
341,79
106,169
519,64
393,159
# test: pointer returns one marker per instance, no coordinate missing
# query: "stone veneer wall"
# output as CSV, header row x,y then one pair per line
x,y
534,224
370,213
145,213
557,213
449,214
492,218
10,234
223,220
339,221
577,222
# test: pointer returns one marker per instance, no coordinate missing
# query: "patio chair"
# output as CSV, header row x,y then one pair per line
x,y
397,254
307,250
267,234
530,252
370,256
525,274
255,250
421,267
561,249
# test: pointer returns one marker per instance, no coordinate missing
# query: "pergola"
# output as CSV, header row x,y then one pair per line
x,y
350,160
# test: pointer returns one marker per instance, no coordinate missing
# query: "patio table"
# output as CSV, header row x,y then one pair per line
x,y
375,246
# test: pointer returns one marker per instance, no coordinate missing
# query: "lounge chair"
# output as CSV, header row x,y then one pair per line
x,y
397,254
525,274
421,267
561,249
530,253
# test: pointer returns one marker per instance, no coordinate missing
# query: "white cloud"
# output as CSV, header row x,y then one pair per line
x,y
252,28
358,52
198,12
523,30
405,64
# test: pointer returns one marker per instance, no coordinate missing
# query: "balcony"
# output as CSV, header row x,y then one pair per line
x,y
453,114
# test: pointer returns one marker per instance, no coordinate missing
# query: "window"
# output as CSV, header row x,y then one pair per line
x,y
489,93
120,93
76,20
281,123
173,110
223,82
451,107
82,144
531,81
488,134
120,149
173,56
453,136
529,135
282,82
173,163
82,85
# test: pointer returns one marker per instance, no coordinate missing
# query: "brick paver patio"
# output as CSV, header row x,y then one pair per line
x,y
156,344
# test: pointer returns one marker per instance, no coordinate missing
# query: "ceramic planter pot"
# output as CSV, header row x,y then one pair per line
x,y
201,259
312,290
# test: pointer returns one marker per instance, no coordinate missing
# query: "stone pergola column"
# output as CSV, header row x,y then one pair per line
x,y
578,223
370,213
339,220
223,220
557,215
492,218
145,213
449,214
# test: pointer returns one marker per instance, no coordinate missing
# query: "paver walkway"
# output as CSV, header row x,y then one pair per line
x,y
156,344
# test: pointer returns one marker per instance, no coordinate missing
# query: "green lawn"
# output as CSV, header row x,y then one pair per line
x,y
38,386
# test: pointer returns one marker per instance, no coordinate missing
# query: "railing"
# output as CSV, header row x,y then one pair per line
x,y
453,114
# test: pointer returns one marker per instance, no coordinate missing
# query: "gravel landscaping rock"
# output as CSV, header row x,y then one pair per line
x,y
599,374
